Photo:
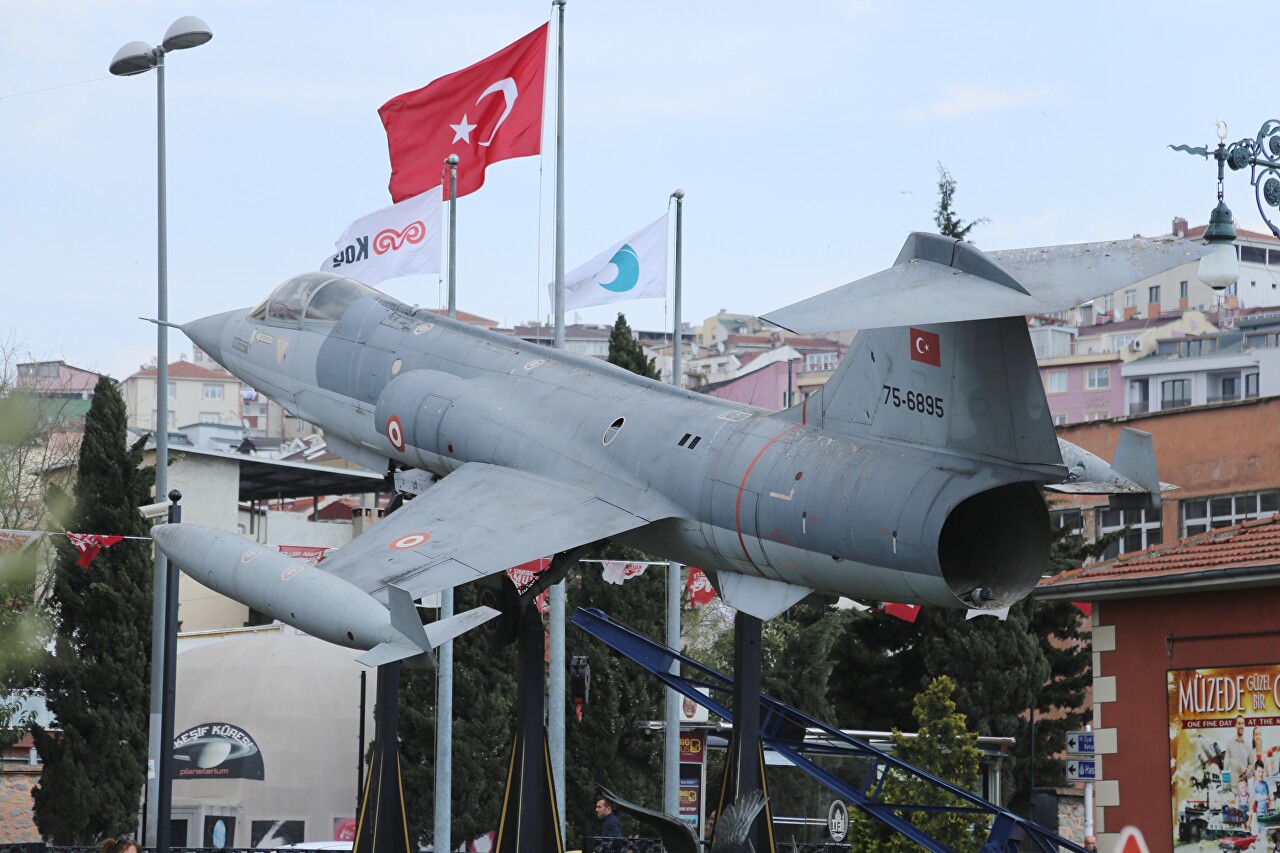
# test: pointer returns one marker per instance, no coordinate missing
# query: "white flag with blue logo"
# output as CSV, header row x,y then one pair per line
x,y
634,268
403,239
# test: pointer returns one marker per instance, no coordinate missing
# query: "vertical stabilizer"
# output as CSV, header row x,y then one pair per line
x,y
971,388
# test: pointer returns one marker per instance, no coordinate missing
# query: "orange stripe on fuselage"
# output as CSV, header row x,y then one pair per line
x,y
737,510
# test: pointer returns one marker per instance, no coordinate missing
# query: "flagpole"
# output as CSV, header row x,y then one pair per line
x,y
671,745
558,599
452,162
443,832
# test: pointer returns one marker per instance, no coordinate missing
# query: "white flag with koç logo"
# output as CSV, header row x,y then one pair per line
x,y
634,268
403,239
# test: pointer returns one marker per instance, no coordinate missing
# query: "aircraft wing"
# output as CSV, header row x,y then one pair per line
x,y
942,280
479,520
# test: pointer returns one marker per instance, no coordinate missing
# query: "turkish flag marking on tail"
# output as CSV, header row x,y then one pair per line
x,y
89,544
925,347
487,112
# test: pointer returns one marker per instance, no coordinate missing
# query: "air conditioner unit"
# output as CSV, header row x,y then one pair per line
x,y
1136,346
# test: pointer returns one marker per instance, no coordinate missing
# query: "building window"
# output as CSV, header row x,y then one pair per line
x,y
1144,530
213,392
1250,385
173,391
821,361
1056,382
1200,514
1097,416
1059,420
1153,294
155,420
1175,393
1097,378
1183,290
1131,299
209,418
1109,303
1069,520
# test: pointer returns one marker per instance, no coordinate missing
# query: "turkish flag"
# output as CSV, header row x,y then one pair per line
x,y
925,347
89,544
906,612
487,112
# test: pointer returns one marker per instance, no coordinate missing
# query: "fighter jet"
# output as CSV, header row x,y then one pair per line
x,y
913,475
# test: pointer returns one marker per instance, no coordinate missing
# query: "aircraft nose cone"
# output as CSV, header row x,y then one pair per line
x,y
207,333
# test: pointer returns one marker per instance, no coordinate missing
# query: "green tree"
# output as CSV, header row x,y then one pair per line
x,y
36,434
484,691
606,747
944,216
626,352
943,746
998,666
96,679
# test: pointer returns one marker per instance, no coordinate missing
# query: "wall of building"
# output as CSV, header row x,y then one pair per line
x,y
1214,450
16,823
1131,656
1079,402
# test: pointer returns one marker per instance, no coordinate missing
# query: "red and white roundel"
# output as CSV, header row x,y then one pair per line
x,y
412,540
395,432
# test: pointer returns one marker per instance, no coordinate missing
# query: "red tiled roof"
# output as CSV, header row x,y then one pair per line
x,y
1247,545
187,370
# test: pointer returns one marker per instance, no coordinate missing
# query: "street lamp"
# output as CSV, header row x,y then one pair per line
x,y
135,58
1220,268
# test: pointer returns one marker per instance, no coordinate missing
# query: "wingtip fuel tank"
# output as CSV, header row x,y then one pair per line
x,y
309,598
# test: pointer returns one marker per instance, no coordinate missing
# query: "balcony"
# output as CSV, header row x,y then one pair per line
x,y
1222,398
1139,408
1176,403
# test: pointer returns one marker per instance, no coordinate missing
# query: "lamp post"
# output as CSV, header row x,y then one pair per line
x,y
136,58
1261,155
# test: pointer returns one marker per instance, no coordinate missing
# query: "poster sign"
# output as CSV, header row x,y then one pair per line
x,y
1224,750
219,832
269,834
216,751
693,747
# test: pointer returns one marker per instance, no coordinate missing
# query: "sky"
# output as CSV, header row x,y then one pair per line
x,y
806,135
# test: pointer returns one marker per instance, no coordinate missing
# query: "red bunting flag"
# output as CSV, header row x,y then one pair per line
x,y
700,589
487,112
1085,607
906,612
523,575
89,544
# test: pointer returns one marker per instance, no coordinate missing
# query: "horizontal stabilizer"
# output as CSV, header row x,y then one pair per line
x,y
1132,470
388,653
940,280
455,626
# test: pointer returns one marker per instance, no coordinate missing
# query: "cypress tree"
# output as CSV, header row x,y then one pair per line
x,y
950,225
606,747
945,747
625,351
484,691
96,679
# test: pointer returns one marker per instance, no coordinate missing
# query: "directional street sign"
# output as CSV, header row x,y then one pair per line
x,y
1081,770
1080,743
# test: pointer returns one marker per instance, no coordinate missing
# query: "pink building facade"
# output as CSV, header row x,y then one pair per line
x,y
1083,387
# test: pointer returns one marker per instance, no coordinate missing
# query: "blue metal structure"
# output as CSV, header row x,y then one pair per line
x,y
784,729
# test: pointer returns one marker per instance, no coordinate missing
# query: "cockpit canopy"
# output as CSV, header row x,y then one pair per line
x,y
320,296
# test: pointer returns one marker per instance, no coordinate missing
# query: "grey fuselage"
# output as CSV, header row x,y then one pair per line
x,y
727,487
